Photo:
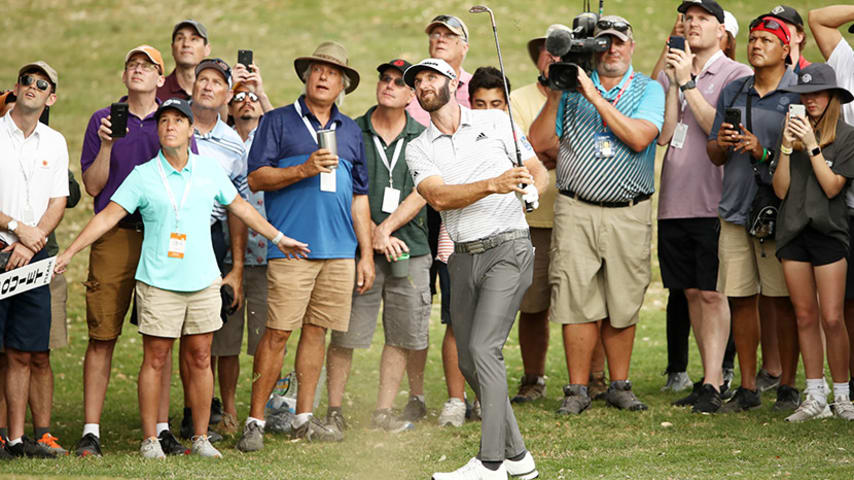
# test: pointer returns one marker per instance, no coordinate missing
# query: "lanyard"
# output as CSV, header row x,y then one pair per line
x,y
620,94
307,122
18,155
175,205
394,157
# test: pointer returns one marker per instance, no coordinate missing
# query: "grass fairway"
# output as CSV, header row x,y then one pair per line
x,y
86,40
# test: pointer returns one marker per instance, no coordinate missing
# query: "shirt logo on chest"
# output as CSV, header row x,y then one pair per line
x,y
480,136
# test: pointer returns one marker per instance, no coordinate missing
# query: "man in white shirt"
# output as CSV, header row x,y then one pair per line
x,y
33,191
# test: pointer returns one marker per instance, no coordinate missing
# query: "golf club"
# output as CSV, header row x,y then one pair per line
x,y
481,9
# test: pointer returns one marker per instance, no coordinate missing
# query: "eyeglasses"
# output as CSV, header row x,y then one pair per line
x,y
388,79
446,36
144,66
618,25
770,25
27,80
241,96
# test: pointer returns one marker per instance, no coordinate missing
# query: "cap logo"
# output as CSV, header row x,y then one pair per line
x,y
806,78
777,10
397,63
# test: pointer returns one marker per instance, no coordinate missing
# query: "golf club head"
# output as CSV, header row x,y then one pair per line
x,y
482,9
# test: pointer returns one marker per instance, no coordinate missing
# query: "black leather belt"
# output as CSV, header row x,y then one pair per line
x,y
131,225
484,244
628,203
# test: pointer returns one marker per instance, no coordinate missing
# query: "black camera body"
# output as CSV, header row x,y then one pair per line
x,y
576,50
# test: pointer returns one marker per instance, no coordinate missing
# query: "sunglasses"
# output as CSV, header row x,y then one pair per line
x,y
27,80
389,79
618,25
448,20
241,96
770,25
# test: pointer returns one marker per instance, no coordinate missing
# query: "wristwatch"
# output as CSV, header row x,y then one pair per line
x,y
12,225
688,85
815,151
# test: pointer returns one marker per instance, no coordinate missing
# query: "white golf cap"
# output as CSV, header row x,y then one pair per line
x,y
730,23
435,64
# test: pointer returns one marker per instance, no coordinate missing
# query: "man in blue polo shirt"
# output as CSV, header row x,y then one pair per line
x,y
748,268
322,198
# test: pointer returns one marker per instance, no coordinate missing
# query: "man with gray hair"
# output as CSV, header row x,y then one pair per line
x,y
321,195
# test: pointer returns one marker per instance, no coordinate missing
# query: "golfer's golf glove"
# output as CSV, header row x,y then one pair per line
x,y
531,196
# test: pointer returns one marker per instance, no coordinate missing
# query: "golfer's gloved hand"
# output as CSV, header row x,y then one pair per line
x,y
531,196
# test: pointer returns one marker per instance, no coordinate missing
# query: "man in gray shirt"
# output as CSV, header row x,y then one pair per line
x,y
463,165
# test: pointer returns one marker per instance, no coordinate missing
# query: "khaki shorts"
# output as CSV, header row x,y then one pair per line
x,y
113,259
314,292
538,297
170,314
748,267
58,317
406,304
600,262
228,339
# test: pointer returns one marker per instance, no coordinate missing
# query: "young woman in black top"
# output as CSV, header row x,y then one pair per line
x,y
815,163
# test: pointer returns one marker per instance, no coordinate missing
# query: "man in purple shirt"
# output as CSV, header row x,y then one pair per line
x,y
106,162
691,187
189,46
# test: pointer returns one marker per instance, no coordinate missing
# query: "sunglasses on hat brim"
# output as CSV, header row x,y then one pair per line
x,y
618,25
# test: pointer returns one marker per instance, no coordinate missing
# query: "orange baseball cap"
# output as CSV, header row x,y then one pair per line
x,y
152,53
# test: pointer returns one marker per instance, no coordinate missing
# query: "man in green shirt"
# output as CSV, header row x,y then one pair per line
x,y
399,236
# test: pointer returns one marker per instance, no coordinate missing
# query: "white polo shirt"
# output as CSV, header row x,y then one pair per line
x,y
481,148
32,171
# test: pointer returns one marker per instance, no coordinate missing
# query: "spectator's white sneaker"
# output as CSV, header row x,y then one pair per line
x,y
453,413
151,448
525,468
203,448
473,470
812,407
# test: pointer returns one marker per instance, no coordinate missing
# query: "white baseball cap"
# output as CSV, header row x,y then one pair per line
x,y
730,23
435,64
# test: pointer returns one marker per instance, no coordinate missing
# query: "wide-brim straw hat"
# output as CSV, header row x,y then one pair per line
x,y
331,53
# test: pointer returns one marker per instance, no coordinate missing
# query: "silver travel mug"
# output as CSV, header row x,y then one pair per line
x,y
326,139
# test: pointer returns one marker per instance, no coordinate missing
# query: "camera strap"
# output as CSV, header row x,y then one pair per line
x,y
617,99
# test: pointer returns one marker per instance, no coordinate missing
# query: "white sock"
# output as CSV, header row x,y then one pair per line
x,y
815,387
261,423
841,391
301,419
16,441
93,428
161,427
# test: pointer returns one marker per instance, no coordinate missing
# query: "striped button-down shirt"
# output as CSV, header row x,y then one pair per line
x,y
225,146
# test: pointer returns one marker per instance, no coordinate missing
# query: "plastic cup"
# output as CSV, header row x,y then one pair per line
x,y
400,266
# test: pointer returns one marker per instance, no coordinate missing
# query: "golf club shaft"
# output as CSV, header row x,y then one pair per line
x,y
528,206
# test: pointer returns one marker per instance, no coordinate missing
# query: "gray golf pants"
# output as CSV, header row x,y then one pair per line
x,y
487,289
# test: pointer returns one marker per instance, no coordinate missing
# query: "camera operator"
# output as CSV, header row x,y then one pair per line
x,y
691,187
748,269
598,285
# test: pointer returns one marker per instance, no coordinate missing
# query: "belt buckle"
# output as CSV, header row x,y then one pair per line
x,y
477,247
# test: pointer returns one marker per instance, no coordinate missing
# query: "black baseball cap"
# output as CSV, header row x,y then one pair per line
x,y
175,103
710,6
217,64
787,14
851,29
398,64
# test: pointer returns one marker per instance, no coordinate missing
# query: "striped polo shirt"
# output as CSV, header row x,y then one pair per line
x,y
627,173
481,148
225,146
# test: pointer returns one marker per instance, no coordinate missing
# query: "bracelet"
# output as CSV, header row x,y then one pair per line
x,y
785,150
764,154
278,238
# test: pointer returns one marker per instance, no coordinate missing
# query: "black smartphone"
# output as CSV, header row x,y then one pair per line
x,y
4,259
676,42
118,119
244,57
732,116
